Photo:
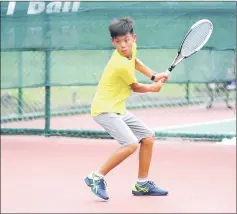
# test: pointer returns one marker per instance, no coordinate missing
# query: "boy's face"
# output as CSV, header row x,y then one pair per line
x,y
124,44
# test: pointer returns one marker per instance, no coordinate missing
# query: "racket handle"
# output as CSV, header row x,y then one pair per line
x,y
168,72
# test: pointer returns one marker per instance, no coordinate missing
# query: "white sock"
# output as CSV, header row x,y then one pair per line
x,y
99,174
96,173
142,180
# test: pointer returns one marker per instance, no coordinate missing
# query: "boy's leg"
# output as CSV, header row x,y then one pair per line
x,y
145,156
146,137
116,158
96,179
120,131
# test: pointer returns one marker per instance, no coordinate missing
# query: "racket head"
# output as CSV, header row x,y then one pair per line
x,y
196,37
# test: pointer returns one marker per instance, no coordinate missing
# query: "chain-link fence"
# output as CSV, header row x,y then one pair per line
x,y
47,86
60,108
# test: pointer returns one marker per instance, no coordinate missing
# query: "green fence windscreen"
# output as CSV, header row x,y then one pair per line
x,y
158,24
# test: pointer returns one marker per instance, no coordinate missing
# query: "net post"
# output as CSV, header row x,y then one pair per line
x,y
20,91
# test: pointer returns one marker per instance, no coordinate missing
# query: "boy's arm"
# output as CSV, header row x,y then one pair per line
x,y
143,88
128,77
140,66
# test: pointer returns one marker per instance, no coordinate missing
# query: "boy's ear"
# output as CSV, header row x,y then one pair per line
x,y
134,37
112,40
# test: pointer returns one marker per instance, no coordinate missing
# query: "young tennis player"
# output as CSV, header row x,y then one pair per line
x,y
109,110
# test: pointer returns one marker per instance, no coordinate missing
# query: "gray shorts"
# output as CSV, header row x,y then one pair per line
x,y
126,129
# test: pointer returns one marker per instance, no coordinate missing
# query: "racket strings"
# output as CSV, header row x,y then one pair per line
x,y
196,38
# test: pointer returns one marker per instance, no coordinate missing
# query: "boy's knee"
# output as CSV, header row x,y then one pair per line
x,y
148,141
132,147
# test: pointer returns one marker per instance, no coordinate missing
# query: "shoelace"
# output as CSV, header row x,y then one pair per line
x,y
101,181
151,182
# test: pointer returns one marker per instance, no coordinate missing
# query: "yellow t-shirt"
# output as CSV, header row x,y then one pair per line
x,y
113,89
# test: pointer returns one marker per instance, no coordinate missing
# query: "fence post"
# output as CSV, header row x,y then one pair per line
x,y
47,93
187,92
20,91
234,62
47,41
187,85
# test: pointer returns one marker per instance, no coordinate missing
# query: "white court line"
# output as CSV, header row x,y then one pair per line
x,y
195,124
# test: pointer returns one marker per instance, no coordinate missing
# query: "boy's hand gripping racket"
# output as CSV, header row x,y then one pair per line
x,y
194,40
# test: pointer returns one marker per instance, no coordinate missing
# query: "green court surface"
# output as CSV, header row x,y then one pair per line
x,y
227,126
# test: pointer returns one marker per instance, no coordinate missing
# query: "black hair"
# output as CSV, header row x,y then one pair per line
x,y
120,27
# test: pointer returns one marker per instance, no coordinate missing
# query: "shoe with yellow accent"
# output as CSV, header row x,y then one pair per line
x,y
148,188
98,186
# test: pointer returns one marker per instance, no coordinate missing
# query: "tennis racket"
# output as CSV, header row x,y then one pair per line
x,y
194,40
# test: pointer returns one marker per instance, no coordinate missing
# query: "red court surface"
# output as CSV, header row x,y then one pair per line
x,y
45,175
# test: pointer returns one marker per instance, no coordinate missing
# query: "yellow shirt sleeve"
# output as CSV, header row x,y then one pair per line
x,y
134,49
127,73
